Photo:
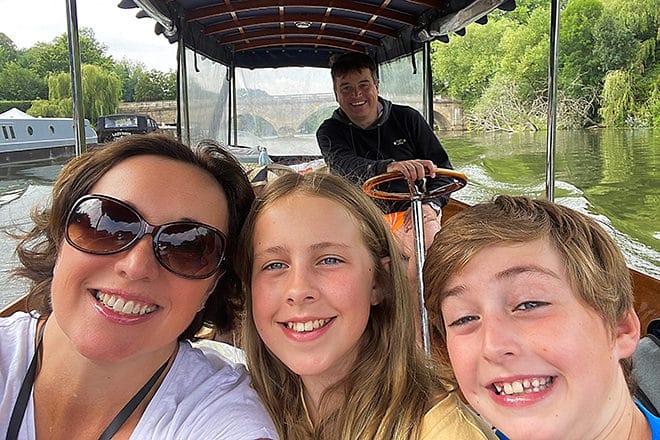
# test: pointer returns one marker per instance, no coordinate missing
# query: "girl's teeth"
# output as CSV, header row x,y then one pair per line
x,y
307,326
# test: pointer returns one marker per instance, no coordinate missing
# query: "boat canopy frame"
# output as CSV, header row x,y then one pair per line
x,y
307,33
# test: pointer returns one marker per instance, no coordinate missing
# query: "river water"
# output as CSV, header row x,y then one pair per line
x,y
611,175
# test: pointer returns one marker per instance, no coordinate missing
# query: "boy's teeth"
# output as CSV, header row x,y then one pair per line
x,y
307,326
119,305
525,386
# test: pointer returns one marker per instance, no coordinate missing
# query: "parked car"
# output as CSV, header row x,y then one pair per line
x,y
113,127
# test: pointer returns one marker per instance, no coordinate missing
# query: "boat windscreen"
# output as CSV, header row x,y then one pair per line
x,y
402,82
281,108
208,97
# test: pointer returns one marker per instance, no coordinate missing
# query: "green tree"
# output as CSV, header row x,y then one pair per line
x,y
642,17
580,71
129,72
45,58
155,86
61,108
609,65
525,54
525,9
8,50
463,67
101,92
19,83
617,99
614,44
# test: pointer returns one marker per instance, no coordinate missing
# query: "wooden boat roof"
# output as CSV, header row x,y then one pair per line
x,y
278,33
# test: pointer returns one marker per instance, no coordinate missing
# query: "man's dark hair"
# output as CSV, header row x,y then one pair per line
x,y
352,62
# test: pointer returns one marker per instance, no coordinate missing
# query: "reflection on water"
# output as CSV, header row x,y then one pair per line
x,y
22,188
609,174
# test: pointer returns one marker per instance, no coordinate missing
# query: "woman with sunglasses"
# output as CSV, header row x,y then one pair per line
x,y
129,261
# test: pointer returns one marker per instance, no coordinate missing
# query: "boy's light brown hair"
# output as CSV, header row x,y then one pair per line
x,y
594,263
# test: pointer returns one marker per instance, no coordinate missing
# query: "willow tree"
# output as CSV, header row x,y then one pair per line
x,y
101,91
617,101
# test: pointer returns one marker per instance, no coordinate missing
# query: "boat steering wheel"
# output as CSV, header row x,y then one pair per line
x,y
456,181
416,196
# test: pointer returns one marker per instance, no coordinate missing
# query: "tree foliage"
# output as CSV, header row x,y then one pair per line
x,y
61,108
53,57
617,100
155,86
129,72
101,93
525,54
19,83
463,67
608,69
24,73
8,52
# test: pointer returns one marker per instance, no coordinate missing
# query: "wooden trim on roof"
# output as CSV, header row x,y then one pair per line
x,y
291,31
329,19
233,8
278,42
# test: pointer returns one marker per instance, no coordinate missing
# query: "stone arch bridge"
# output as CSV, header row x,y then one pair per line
x,y
286,113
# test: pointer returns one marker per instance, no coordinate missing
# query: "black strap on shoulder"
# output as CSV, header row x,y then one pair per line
x,y
24,394
128,409
20,406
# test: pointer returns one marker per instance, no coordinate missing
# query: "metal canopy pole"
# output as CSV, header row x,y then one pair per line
x,y
230,105
184,123
418,227
76,77
428,84
234,105
552,102
232,116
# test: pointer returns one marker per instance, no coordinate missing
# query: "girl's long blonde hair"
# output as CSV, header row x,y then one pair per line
x,y
392,384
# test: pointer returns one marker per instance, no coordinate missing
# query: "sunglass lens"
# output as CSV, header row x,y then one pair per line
x,y
193,251
102,226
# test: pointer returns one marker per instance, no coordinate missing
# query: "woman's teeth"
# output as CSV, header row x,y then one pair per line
x,y
307,326
524,386
123,307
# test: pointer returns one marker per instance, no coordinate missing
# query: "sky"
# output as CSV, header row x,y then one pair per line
x,y
27,22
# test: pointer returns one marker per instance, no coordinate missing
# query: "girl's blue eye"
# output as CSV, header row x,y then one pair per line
x,y
330,260
274,266
464,320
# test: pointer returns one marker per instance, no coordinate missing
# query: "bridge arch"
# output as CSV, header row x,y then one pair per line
x,y
448,114
440,121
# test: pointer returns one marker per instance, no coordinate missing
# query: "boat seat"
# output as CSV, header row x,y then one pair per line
x,y
646,360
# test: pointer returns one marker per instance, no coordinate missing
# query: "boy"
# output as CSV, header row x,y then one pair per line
x,y
534,306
